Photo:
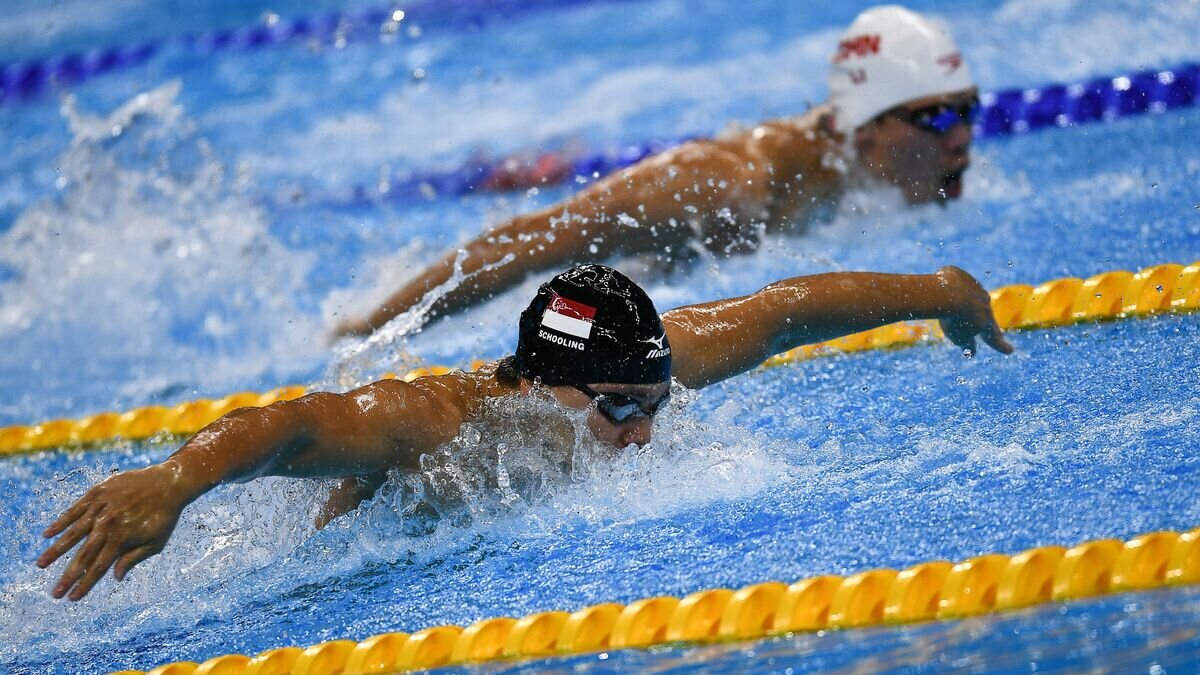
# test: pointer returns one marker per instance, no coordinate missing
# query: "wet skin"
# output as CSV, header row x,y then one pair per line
x,y
715,193
926,166
635,430
361,435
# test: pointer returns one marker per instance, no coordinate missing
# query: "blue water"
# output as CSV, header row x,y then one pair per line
x,y
187,255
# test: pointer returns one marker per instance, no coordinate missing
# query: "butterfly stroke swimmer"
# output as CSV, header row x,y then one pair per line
x,y
591,340
899,113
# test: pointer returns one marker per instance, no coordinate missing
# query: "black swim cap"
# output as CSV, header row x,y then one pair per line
x,y
592,324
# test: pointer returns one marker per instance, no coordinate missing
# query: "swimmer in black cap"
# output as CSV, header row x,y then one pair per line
x,y
591,340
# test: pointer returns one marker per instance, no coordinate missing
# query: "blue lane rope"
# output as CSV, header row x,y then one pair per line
x,y
1002,113
29,78
1104,98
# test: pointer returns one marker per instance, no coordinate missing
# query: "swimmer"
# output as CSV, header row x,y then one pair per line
x,y
899,113
591,340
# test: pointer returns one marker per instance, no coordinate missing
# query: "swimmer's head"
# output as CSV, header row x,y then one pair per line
x,y
594,338
899,86
890,56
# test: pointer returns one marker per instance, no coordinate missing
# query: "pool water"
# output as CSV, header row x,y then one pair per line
x,y
179,244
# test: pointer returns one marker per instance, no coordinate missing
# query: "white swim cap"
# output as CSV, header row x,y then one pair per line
x,y
888,56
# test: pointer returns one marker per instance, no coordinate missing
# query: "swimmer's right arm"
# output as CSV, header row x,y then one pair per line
x,y
131,515
643,208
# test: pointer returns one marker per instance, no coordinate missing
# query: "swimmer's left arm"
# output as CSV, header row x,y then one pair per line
x,y
131,515
717,340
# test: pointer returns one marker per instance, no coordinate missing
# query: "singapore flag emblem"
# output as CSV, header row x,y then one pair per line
x,y
570,317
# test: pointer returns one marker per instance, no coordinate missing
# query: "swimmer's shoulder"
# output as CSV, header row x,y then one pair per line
x,y
428,411
811,134
462,393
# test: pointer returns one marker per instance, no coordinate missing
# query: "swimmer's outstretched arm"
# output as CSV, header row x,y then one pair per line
x,y
716,340
645,208
130,516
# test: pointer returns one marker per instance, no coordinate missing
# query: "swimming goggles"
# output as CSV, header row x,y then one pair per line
x,y
940,118
619,408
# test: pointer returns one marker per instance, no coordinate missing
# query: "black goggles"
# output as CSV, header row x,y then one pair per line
x,y
940,118
619,408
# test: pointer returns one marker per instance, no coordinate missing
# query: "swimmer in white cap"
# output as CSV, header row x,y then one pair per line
x,y
900,88
899,113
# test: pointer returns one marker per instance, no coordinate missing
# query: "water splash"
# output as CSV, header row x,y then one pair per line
x,y
357,362
149,271
526,468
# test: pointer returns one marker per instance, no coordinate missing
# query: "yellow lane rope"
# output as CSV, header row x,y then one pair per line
x,y
929,591
1109,295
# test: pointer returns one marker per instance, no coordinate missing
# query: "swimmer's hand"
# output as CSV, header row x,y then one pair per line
x,y
123,520
971,315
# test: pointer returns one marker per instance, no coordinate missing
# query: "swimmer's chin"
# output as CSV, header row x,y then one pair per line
x,y
951,188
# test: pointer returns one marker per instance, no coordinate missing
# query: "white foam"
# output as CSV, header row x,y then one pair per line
x,y
499,478
148,254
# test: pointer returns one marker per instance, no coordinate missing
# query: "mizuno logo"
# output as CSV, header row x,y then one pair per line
x,y
657,342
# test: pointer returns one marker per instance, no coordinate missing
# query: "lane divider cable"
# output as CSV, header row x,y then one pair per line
x,y
1002,113
25,79
1106,296
930,591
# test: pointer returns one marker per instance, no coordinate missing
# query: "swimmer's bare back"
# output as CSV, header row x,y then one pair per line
x,y
360,435
714,193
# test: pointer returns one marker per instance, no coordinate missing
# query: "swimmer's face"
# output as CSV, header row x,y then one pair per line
x,y
635,429
926,165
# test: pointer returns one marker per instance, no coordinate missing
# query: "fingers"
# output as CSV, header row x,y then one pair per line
x,y
131,559
80,564
77,509
66,542
994,338
960,334
95,571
